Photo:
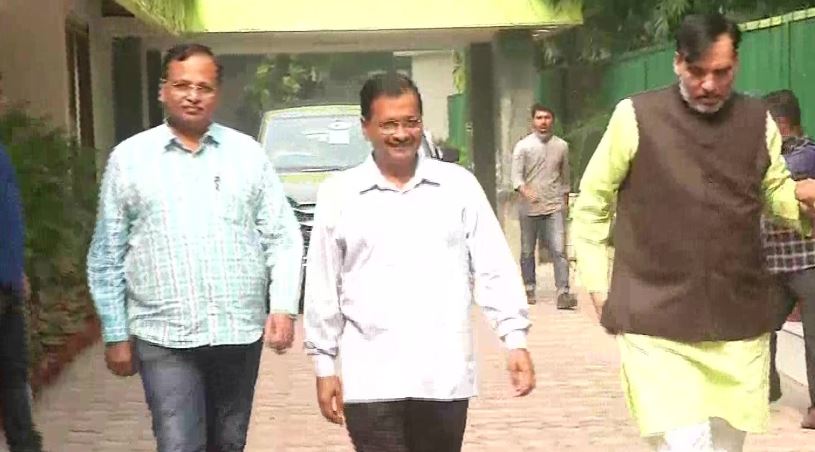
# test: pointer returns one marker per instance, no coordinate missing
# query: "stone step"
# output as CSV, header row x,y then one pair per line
x,y
790,356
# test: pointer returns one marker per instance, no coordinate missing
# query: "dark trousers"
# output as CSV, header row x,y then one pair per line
x,y
796,286
15,393
200,398
407,425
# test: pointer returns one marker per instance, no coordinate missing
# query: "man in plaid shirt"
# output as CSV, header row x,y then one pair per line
x,y
195,262
790,256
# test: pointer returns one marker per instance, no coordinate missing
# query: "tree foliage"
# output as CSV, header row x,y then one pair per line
x,y
616,26
282,80
279,81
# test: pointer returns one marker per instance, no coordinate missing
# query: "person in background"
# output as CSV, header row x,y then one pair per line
x,y
15,392
540,173
791,255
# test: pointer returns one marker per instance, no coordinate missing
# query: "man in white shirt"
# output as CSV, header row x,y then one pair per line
x,y
398,245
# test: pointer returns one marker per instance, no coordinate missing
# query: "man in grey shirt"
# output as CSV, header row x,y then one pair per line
x,y
540,173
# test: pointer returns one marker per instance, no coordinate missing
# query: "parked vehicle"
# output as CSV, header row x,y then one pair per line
x,y
307,144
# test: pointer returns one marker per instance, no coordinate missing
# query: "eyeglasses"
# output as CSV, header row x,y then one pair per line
x,y
186,88
391,127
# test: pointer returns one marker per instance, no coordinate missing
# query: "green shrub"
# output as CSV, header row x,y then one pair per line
x,y
58,187
583,138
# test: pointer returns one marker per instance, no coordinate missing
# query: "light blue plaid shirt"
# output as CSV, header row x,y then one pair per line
x,y
188,247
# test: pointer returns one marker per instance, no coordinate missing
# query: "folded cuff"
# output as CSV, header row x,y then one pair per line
x,y
515,340
115,335
324,365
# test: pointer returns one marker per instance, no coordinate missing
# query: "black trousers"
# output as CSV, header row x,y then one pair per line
x,y
796,286
407,425
15,394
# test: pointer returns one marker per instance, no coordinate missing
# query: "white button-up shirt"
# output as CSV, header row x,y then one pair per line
x,y
391,276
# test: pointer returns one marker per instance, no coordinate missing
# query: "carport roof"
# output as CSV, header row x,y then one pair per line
x,y
224,16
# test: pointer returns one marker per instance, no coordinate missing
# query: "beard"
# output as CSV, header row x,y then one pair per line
x,y
699,107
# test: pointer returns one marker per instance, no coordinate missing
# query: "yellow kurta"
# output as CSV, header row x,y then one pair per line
x,y
670,384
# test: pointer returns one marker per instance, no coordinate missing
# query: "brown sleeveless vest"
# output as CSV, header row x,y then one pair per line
x,y
688,261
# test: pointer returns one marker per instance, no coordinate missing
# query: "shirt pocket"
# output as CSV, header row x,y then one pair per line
x,y
234,201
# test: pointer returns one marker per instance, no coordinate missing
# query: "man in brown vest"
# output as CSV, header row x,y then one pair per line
x,y
690,169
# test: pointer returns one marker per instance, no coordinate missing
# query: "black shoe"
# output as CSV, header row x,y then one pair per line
x,y
530,298
33,443
775,393
809,420
566,301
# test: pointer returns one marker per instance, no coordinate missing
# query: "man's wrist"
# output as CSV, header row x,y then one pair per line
x,y
115,336
286,313
598,296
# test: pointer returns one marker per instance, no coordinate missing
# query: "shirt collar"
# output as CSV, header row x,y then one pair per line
x,y
371,177
213,135
544,138
792,142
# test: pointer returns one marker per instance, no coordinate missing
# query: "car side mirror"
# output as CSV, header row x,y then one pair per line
x,y
450,155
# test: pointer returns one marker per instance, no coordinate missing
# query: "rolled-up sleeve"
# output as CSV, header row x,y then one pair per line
x,y
594,208
282,244
565,172
498,286
106,256
517,170
324,322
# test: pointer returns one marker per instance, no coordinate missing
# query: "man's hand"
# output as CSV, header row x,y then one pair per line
x,y
805,191
807,209
521,371
119,358
598,300
528,193
329,396
279,332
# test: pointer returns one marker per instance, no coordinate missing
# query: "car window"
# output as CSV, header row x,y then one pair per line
x,y
315,143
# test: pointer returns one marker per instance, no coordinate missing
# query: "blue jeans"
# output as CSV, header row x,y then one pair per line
x,y
552,229
15,393
200,398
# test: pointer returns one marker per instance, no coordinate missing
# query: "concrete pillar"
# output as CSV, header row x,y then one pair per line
x,y
515,78
155,112
127,82
102,76
482,115
433,73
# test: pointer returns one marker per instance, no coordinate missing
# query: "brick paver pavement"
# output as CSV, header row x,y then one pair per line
x,y
577,405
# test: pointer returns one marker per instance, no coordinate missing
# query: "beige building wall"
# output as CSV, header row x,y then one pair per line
x,y
33,56
33,60
433,73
